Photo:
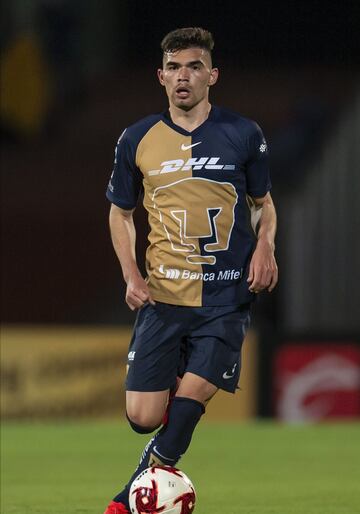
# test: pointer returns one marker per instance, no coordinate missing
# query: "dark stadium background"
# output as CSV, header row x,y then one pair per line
x,y
84,70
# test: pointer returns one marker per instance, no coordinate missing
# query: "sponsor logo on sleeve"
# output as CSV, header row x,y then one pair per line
x,y
263,146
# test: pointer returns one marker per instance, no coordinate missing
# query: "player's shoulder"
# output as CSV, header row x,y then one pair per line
x,y
245,125
136,131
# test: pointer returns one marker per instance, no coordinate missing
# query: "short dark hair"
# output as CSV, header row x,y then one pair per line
x,y
189,37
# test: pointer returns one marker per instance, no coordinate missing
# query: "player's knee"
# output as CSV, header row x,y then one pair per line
x,y
143,424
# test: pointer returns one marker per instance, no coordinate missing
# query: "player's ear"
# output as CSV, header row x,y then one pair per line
x,y
214,74
160,75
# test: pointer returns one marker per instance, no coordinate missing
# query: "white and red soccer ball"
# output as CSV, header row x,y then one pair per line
x,y
162,490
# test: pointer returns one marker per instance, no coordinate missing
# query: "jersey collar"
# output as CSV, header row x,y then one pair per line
x,y
166,118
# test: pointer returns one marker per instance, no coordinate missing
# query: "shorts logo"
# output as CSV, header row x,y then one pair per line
x,y
131,356
226,376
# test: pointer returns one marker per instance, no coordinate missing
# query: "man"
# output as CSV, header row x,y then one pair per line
x,y
199,168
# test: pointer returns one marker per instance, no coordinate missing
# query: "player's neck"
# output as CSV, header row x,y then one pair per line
x,y
190,120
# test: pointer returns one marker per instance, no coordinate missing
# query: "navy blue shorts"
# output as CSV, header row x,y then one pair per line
x,y
170,340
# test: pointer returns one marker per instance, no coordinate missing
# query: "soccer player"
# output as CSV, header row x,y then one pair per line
x,y
201,169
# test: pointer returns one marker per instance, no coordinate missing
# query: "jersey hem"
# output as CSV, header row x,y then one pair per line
x,y
164,299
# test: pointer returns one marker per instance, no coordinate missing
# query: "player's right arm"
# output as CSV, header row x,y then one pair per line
x,y
123,191
123,235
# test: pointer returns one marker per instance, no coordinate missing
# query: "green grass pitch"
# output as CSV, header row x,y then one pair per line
x,y
257,468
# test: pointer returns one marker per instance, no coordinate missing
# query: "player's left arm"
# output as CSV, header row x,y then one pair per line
x,y
263,273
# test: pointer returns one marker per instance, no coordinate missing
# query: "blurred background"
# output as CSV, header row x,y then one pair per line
x,y
74,74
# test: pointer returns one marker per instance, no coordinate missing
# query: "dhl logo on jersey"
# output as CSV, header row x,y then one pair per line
x,y
207,163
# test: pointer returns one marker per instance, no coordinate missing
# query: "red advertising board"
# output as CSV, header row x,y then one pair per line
x,y
316,381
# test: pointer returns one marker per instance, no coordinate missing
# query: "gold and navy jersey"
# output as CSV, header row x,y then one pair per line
x,y
194,187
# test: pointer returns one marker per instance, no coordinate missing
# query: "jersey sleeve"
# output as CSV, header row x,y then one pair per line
x,y
126,179
257,167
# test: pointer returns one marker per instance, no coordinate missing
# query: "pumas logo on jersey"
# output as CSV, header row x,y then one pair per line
x,y
188,222
207,163
187,147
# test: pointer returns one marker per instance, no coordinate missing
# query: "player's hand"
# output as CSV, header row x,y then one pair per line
x,y
263,273
137,292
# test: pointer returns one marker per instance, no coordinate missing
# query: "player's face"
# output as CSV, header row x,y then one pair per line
x,y
187,76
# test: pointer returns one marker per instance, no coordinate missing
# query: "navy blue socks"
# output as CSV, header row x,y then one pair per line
x,y
171,441
174,440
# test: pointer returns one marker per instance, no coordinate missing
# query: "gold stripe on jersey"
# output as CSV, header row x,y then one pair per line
x,y
167,198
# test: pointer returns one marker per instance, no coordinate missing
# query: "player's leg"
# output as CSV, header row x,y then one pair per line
x,y
153,362
185,411
173,439
213,362
145,410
